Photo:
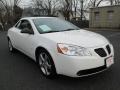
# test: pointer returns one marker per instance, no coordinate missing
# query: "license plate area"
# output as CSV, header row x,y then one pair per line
x,y
109,61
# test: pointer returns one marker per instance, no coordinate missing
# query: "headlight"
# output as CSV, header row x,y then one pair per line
x,y
72,50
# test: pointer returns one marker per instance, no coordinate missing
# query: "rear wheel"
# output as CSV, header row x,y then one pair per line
x,y
11,49
46,64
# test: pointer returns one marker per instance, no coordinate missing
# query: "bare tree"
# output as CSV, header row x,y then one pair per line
x,y
94,3
50,6
75,7
117,2
1,20
3,14
66,8
114,2
9,12
82,8
111,2
84,5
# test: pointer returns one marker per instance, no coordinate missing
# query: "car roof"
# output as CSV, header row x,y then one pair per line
x,y
30,18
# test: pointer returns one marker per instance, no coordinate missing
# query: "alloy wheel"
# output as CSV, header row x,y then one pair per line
x,y
44,63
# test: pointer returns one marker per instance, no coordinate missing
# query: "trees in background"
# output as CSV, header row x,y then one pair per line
x,y
3,14
73,7
50,6
114,2
117,2
94,3
10,12
66,8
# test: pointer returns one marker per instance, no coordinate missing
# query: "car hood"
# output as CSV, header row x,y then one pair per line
x,y
81,38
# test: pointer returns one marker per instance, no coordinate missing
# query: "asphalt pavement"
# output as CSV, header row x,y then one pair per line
x,y
19,72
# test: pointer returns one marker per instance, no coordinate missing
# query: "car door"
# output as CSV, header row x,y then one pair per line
x,y
25,41
15,34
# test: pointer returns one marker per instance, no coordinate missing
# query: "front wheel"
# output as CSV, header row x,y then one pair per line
x,y
46,64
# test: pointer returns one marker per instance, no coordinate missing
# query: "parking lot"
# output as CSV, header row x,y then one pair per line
x,y
18,72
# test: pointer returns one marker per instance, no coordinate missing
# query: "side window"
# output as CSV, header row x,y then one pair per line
x,y
23,24
28,25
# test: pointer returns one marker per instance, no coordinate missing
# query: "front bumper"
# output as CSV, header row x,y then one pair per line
x,y
91,71
76,66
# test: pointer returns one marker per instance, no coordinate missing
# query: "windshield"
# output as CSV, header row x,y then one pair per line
x,y
49,25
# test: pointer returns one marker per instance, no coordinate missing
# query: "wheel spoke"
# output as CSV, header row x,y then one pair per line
x,y
42,57
43,70
40,61
47,62
46,57
46,70
48,65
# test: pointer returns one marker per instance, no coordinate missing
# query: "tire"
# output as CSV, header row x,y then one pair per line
x,y
46,64
10,46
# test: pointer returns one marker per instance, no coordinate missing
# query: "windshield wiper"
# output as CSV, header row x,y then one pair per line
x,y
50,31
70,29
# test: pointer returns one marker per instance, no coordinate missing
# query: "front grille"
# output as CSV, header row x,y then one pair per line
x,y
101,52
108,49
91,71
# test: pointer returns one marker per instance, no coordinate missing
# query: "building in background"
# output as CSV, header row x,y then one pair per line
x,y
105,17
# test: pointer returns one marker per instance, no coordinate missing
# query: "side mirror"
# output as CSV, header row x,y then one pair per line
x,y
26,30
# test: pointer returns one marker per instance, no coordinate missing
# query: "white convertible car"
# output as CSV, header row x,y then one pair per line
x,y
60,47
